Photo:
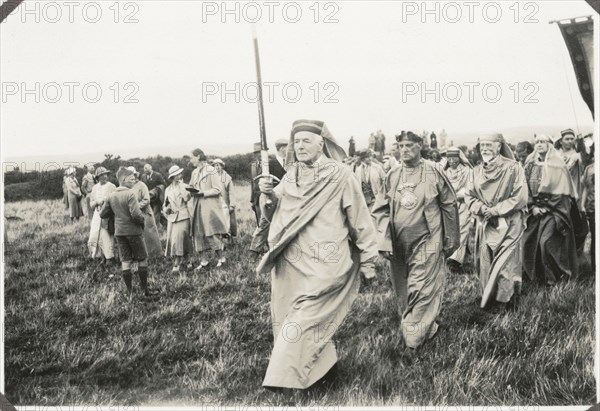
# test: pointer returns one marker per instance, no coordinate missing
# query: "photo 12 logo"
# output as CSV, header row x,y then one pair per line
x,y
469,91
69,91
270,11
469,11
272,91
75,12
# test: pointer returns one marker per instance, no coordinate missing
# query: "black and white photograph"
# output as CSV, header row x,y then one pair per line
x,y
322,205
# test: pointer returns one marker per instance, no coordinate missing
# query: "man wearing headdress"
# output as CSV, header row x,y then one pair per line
x,y
566,150
566,147
550,251
497,197
417,221
459,171
321,238
370,176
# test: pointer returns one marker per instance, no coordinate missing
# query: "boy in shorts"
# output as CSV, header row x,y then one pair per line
x,y
129,230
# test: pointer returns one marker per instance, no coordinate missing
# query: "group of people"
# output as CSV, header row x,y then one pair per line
x,y
125,220
329,216
324,218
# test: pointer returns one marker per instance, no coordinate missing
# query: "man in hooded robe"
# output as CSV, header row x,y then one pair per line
x,y
459,171
417,221
551,254
565,148
321,238
497,197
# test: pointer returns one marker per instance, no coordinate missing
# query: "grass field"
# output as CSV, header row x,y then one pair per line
x,y
71,341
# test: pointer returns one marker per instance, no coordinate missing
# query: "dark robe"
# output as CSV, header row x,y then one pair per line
x,y
549,239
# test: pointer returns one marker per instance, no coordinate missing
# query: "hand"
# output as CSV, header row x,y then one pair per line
x,y
488,213
386,254
265,185
537,211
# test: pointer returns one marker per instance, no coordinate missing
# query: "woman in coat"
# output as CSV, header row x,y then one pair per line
x,y
74,195
151,237
179,242
208,222
101,240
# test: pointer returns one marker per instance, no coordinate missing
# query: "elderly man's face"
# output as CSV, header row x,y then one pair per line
x,y
489,150
568,142
308,147
453,162
147,169
541,146
409,151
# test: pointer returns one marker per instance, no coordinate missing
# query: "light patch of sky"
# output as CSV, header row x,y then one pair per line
x,y
176,53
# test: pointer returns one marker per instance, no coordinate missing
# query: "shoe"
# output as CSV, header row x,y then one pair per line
x,y
175,269
202,265
221,262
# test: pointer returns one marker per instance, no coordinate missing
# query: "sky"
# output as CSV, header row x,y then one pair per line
x,y
149,74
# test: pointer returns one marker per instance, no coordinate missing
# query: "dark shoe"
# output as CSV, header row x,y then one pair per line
x,y
496,307
143,274
513,304
127,279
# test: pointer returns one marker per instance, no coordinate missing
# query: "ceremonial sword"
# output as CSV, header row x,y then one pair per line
x,y
264,149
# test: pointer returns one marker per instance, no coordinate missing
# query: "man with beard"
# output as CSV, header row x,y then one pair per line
x,y
459,172
321,238
497,196
418,225
549,242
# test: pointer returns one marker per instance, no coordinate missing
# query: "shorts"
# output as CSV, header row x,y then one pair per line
x,y
132,247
